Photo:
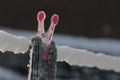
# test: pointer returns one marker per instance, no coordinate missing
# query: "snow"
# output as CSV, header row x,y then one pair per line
x,y
6,74
13,43
109,46
73,56
83,57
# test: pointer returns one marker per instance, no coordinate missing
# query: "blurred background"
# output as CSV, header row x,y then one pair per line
x,y
91,18
89,24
